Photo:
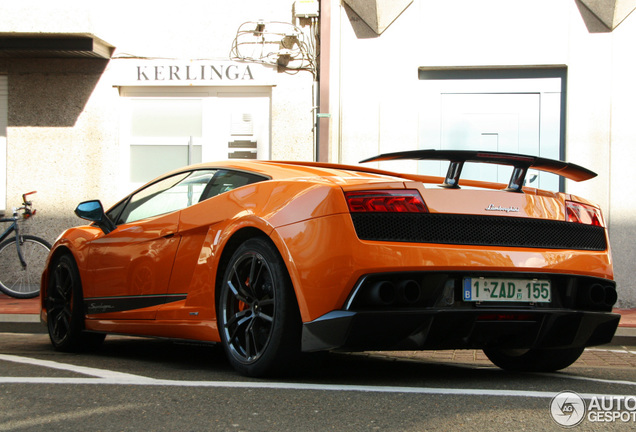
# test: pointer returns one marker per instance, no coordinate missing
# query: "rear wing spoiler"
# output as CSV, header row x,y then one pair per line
x,y
520,163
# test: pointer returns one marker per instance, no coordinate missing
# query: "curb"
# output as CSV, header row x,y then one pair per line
x,y
624,336
21,323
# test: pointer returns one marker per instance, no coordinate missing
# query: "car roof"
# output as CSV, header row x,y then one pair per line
x,y
338,174
292,169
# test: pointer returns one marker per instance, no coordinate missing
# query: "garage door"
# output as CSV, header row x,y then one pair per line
x,y
519,115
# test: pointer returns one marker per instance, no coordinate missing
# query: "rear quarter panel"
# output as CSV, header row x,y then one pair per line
x,y
207,227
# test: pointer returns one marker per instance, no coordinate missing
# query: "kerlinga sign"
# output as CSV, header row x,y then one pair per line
x,y
202,72
131,72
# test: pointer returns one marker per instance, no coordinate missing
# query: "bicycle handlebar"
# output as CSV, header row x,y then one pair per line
x,y
26,206
24,200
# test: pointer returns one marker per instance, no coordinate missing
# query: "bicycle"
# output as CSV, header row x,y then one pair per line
x,y
20,277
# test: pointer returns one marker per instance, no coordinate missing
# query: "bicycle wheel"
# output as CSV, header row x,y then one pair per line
x,y
15,280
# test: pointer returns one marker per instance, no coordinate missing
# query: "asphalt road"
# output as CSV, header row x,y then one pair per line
x,y
134,384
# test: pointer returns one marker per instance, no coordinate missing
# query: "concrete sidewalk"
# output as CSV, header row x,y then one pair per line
x,y
23,316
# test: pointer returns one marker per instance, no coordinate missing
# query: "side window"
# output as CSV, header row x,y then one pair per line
x,y
115,211
226,180
167,195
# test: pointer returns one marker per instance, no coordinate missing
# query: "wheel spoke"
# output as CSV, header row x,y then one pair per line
x,y
61,324
265,317
240,322
249,339
238,318
55,304
247,278
252,276
62,285
255,273
237,293
266,302
242,289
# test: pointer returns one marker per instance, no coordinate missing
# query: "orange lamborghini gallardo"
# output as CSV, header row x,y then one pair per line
x,y
273,259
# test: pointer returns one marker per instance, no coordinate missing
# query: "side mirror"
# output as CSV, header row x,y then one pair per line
x,y
94,211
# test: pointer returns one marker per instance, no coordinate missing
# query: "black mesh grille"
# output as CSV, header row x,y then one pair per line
x,y
478,230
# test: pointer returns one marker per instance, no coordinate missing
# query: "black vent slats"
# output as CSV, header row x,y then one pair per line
x,y
478,230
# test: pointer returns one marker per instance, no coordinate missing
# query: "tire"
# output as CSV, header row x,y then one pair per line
x,y
15,280
65,308
533,360
257,312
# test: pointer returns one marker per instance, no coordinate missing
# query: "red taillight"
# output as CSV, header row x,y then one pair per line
x,y
583,213
401,201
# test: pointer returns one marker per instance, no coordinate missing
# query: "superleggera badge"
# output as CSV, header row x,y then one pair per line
x,y
99,307
493,207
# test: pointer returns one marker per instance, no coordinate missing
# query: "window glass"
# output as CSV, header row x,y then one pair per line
x,y
166,118
225,181
115,211
150,161
164,134
168,195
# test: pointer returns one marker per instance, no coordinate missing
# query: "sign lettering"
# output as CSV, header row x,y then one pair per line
x,y
202,72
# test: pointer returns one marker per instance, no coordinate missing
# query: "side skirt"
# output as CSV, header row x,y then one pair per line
x,y
203,331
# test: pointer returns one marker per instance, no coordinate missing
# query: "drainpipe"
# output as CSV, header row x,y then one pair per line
x,y
323,115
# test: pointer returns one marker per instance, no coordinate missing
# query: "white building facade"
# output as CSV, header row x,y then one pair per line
x,y
97,98
554,78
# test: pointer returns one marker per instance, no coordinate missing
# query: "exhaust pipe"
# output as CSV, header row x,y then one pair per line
x,y
595,295
381,293
409,292
611,296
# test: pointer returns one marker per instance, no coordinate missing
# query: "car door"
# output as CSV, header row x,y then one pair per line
x,y
199,227
129,269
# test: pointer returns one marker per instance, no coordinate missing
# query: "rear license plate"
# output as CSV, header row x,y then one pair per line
x,y
510,290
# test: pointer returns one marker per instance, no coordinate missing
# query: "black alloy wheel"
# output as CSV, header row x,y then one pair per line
x,y
258,314
65,308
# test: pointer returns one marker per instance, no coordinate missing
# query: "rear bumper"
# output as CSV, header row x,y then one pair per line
x,y
458,329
